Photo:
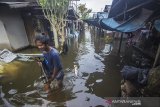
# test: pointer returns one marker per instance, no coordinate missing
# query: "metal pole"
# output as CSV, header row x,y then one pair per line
x,y
120,43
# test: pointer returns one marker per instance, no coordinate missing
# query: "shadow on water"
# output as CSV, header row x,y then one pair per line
x,y
98,76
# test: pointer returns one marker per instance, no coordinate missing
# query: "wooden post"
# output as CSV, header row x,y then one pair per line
x,y
120,43
157,57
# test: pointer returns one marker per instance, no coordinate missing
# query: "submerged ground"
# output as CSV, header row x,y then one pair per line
x,y
98,69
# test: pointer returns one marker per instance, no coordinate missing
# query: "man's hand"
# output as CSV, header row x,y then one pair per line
x,y
50,80
47,87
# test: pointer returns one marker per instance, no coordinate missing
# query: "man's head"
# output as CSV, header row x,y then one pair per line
x,y
42,42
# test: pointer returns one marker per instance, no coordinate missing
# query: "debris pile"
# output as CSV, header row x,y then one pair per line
x,y
134,79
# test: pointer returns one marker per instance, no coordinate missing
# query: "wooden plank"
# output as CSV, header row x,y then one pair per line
x,y
145,53
157,57
120,43
31,55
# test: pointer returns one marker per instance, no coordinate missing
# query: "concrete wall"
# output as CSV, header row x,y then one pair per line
x,y
29,30
4,40
14,27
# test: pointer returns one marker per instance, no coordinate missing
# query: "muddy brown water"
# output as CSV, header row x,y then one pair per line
x,y
98,76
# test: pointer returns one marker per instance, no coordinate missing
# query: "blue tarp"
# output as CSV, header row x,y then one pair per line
x,y
157,25
132,24
135,75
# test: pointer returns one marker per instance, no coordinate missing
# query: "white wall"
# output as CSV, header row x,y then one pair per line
x,y
15,29
4,41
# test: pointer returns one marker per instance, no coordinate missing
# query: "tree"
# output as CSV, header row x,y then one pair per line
x,y
55,12
83,11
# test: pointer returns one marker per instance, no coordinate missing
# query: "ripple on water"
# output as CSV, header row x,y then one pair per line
x,y
22,99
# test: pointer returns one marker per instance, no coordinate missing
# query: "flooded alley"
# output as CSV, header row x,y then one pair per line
x,y
79,53
98,76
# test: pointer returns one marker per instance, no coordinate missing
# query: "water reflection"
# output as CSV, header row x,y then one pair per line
x,y
98,76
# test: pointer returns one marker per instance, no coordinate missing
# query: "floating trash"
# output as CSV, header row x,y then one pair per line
x,y
100,80
12,91
7,56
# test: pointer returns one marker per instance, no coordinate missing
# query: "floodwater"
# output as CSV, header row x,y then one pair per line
x,y
98,78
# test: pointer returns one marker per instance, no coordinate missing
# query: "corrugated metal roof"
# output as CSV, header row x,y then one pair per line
x,y
119,7
19,4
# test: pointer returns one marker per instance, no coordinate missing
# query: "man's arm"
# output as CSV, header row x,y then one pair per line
x,y
53,76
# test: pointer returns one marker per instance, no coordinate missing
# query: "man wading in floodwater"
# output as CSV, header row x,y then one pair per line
x,y
51,63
